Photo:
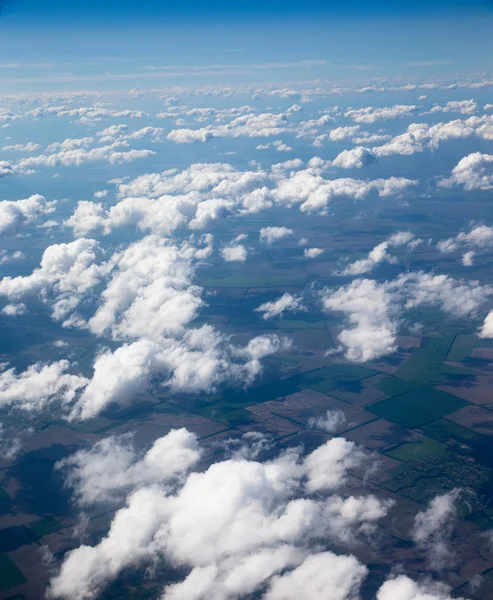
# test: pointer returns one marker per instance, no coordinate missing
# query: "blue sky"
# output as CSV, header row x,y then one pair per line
x,y
75,45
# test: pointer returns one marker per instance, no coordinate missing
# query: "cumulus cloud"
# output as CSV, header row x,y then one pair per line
x,y
372,115
286,303
235,253
39,385
79,156
486,330
5,169
112,466
66,270
195,197
432,528
312,252
473,172
238,527
371,315
269,235
249,125
374,310
14,215
332,422
404,588
379,254
479,238
356,158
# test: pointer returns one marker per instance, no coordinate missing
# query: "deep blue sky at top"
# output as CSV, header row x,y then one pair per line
x,y
71,44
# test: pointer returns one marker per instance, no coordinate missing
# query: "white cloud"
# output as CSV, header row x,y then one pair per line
x,y
332,422
487,327
370,313
29,147
269,235
112,467
379,254
464,107
479,237
39,385
249,125
235,253
320,576
432,528
286,303
473,172
356,158
5,169
233,526
403,588
79,156
312,252
372,115
14,215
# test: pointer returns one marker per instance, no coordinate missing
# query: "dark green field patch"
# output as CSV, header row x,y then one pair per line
x,y
462,347
443,430
10,574
393,386
419,449
44,526
423,370
401,413
417,407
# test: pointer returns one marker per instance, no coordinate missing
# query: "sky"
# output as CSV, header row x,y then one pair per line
x,y
58,45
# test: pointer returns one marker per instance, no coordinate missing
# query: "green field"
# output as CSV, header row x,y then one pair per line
x,y
10,574
417,407
423,370
443,430
44,526
393,386
419,449
462,347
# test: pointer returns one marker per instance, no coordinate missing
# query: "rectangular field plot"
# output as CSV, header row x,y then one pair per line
x,y
417,407
419,449
443,430
462,347
10,574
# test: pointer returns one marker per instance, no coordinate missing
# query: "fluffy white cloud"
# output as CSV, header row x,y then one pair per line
x,y
473,172
356,158
379,254
194,197
373,310
370,311
235,253
66,270
234,526
312,252
29,147
5,168
269,235
332,422
432,528
372,115
286,303
249,125
403,588
14,215
79,156
479,237
486,330
112,467
39,385
318,576
464,107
